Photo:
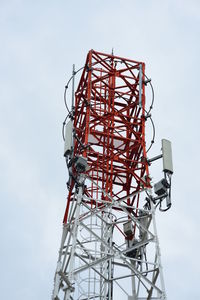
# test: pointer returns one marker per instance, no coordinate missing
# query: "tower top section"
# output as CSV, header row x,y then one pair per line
x,y
109,124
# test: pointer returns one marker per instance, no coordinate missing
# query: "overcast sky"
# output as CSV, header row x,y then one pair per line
x,y
39,42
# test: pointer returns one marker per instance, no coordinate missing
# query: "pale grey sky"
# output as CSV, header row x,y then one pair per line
x,y
40,40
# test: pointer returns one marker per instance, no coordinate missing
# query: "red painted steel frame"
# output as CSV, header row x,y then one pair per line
x,y
110,125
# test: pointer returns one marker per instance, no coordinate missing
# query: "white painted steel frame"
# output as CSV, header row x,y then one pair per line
x,y
96,263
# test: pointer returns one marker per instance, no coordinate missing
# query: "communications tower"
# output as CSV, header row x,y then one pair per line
x,y
109,247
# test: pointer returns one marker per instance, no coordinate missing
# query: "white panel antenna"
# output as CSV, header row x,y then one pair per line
x,y
68,138
167,156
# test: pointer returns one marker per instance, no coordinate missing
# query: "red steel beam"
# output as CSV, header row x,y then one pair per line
x,y
110,122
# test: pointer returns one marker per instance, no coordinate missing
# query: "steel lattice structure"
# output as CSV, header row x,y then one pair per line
x,y
109,247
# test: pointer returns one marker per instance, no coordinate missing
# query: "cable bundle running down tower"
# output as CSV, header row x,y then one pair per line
x,y
109,248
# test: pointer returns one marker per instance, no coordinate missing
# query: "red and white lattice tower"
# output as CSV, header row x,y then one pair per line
x,y
109,247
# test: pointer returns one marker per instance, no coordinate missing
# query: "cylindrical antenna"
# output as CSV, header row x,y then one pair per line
x,y
72,109
73,81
